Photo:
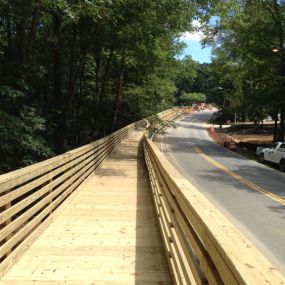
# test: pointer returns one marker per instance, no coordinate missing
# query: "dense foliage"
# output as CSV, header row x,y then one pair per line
x,y
192,98
73,71
247,75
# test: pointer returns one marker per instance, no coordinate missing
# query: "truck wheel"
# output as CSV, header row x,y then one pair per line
x,y
282,165
261,158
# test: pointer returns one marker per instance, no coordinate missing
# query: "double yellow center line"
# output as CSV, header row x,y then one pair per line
x,y
241,179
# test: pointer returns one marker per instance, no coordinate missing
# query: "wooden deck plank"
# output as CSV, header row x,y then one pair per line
x,y
72,282
106,235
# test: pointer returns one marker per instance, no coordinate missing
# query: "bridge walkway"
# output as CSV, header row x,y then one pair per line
x,y
107,234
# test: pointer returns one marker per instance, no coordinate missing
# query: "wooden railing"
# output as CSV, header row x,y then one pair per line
x,y
30,196
202,246
170,114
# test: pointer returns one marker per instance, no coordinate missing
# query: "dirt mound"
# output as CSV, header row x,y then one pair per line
x,y
257,135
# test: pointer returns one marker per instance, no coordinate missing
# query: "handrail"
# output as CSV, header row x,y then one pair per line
x,y
201,244
30,196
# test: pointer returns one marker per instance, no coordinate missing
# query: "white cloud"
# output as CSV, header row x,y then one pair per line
x,y
196,35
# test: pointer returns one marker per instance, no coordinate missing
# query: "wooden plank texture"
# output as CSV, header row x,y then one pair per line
x,y
237,260
106,235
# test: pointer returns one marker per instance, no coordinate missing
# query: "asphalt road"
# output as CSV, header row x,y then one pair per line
x,y
251,195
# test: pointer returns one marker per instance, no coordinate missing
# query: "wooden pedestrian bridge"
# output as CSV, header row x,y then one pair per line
x,y
117,212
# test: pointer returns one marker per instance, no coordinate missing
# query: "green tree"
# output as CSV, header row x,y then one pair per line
x,y
73,71
191,98
245,34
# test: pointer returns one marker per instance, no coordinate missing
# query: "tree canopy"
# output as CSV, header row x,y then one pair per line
x,y
191,98
249,56
73,71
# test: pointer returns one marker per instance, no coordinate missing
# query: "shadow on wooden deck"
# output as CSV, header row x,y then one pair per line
x,y
151,267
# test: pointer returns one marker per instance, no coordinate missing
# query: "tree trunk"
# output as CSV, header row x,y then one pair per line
x,y
119,89
282,125
102,78
69,98
33,31
275,126
10,48
78,105
21,42
75,72
57,85
106,73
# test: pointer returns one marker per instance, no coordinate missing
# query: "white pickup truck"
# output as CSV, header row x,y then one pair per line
x,y
275,154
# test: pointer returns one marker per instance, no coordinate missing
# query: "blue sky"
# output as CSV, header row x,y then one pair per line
x,y
194,48
198,53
